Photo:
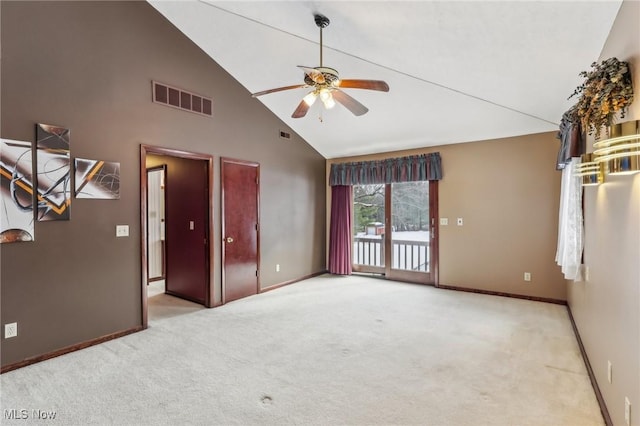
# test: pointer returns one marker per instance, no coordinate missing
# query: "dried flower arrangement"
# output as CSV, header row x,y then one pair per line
x,y
606,90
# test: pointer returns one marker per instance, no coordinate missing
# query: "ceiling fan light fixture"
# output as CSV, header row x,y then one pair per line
x,y
325,94
310,98
327,98
329,102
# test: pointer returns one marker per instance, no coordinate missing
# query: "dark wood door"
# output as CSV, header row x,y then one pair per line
x,y
187,226
240,226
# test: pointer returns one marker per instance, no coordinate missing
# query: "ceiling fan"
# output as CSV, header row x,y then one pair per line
x,y
326,84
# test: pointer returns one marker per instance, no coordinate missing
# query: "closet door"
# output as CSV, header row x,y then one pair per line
x,y
240,229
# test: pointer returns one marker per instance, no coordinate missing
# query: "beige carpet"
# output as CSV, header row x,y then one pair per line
x,y
329,350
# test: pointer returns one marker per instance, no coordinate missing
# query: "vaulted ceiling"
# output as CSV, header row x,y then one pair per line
x,y
458,71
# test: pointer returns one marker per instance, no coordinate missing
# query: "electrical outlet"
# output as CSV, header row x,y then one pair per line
x,y
627,411
10,330
609,368
277,267
527,276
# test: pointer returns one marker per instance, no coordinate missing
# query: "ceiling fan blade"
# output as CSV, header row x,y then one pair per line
x,y
313,74
278,89
350,103
364,84
301,111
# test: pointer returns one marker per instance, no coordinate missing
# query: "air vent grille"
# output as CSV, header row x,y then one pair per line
x,y
181,99
285,135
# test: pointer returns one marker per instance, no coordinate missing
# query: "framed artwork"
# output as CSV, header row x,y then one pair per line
x,y
97,179
53,171
16,191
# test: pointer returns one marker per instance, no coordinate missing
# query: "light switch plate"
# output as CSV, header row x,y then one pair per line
x,y
460,221
10,330
587,273
444,221
122,230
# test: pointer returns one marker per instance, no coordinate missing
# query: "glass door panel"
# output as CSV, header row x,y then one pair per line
x,y
369,228
410,225
411,244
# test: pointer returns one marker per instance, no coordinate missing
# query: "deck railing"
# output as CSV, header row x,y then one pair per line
x,y
368,251
407,255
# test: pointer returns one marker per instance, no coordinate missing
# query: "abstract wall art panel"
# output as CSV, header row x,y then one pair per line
x,y
97,179
53,172
16,191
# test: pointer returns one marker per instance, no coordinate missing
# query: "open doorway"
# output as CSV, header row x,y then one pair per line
x,y
188,227
156,252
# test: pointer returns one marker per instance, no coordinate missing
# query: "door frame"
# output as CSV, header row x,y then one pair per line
x,y
157,150
224,160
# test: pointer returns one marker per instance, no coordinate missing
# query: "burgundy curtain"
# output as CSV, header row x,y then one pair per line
x,y
340,230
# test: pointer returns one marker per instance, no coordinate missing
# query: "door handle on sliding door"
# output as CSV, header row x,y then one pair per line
x,y
229,239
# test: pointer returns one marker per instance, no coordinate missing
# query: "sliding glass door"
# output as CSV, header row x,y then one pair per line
x,y
395,230
369,220
412,223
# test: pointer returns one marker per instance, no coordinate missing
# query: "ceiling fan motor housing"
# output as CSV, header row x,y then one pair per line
x,y
330,77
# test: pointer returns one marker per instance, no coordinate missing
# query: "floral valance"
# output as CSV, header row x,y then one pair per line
x,y
401,169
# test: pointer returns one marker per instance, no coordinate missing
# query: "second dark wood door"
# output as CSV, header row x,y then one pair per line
x,y
187,226
240,189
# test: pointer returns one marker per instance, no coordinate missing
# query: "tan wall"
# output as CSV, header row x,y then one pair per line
x,y
607,307
507,192
89,66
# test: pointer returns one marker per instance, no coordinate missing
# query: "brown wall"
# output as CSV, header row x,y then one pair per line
x,y
606,308
88,66
507,192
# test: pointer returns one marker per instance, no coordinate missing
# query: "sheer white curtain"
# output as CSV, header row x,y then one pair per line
x,y
570,225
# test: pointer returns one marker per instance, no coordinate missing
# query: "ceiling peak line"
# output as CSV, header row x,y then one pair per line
x,y
388,68
442,86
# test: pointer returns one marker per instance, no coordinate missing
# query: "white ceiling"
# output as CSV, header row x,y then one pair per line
x,y
457,71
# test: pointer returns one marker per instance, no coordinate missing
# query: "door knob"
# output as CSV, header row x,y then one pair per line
x,y
229,239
